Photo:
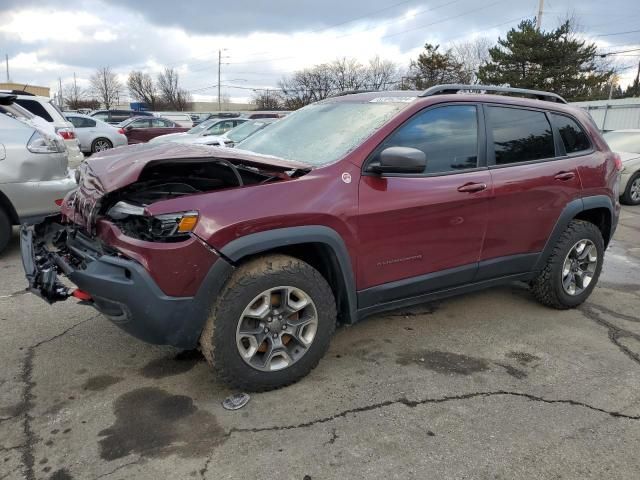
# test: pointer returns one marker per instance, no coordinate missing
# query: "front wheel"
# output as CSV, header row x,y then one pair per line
x,y
271,324
572,269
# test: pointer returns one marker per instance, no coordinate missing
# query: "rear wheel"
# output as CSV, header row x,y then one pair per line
x,y
5,229
101,144
631,195
271,324
573,268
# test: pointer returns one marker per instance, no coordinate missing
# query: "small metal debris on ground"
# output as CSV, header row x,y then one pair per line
x,y
236,401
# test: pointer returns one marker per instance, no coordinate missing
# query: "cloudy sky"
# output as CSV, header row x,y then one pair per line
x,y
264,40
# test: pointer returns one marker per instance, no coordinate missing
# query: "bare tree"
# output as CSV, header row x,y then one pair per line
x,y
381,74
307,86
142,88
267,100
105,86
347,74
472,55
73,95
170,92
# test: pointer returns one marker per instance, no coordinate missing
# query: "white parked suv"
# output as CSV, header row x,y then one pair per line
x,y
44,108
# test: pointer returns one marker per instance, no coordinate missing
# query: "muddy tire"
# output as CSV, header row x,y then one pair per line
x,y
5,230
270,325
572,269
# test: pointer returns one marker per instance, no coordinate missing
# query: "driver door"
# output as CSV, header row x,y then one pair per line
x,y
424,232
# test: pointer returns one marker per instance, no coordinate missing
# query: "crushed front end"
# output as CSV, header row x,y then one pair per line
x,y
119,287
127,238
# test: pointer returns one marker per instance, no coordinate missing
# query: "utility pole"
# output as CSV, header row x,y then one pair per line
x,y
6,59
60,93
540,12
219,63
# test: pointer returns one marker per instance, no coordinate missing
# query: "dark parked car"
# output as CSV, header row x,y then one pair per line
x,y
143,129
347,207
115,117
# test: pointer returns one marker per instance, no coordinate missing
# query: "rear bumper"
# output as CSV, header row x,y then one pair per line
x,y
120,288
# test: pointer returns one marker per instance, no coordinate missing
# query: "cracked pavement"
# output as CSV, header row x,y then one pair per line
x,y
488,385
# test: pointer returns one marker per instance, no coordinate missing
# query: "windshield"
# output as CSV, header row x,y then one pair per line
x,y
201,127
322,133
623,141
243,131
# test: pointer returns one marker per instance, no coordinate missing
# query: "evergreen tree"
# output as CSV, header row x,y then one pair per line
x,y
556,61
434,68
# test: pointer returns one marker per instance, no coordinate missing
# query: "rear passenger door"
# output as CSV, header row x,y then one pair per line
x,y
533,180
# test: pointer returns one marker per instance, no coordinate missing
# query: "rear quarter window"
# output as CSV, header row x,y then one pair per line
x,y
573,136
35,107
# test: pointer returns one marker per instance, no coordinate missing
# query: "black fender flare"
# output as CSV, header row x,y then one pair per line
x,y
571,210
260,242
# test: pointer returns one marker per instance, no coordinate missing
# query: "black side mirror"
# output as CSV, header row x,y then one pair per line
x,y
128,128
400,160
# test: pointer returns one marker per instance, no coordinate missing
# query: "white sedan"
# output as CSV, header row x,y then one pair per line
x,y
95,135
626,143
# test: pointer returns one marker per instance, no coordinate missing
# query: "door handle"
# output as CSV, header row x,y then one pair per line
x,y
472,187
564,176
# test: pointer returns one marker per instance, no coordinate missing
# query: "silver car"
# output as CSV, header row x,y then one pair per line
x,y
95,135
34,177
208,128
626,143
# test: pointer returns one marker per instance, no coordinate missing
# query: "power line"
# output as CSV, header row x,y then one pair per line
x,y
323,29
266,60
616,33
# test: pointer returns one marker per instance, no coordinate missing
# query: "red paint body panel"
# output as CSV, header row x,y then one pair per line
x,y
142,135
526,204
178,268
413,226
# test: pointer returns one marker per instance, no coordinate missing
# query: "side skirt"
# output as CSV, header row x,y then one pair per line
x,y
440,294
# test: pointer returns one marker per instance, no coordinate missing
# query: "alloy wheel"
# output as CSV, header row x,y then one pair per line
x,y
579,267
634,190
277,328
101,145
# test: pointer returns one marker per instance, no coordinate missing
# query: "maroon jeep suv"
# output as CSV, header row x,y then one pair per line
x,y
350,206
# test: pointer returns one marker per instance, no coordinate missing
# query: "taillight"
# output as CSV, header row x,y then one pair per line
x,y
58,202
67,134
121,131
618,161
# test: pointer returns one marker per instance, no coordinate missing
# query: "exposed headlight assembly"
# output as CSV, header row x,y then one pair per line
x,y
168,227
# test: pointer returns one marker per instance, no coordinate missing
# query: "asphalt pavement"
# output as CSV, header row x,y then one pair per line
x,y
489,385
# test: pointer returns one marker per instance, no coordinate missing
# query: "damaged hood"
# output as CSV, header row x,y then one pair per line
x,y
119,167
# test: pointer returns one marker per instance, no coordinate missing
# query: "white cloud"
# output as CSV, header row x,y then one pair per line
x,y
33,25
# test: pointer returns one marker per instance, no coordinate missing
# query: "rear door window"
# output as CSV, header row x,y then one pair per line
x,y
520,135
35,107
573,136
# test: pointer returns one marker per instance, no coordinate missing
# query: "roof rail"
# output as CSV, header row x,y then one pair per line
x,y
350,92
455,88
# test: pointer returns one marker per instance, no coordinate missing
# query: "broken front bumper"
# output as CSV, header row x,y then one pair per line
x,y
120,288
